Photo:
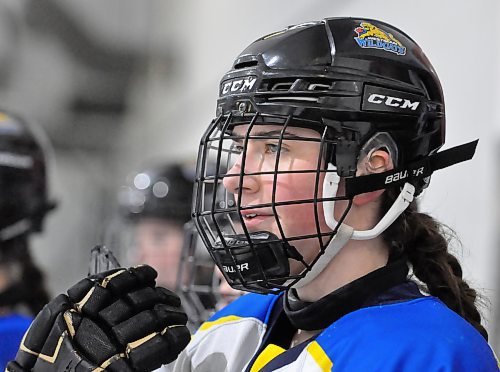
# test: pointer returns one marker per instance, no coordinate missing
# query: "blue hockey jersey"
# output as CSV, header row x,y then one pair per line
x,y
12,329
420,334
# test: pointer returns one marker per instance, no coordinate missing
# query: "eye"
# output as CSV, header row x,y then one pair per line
x,y
236,148
273,148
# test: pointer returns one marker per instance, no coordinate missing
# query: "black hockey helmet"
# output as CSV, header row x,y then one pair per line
x,y
359,75
163,192
24,194
358,83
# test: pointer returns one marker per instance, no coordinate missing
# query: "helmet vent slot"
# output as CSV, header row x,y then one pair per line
x,y
245,64
319,87
300,85
282,86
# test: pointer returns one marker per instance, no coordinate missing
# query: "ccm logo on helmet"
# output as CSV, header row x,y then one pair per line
x,y
393,101
238,85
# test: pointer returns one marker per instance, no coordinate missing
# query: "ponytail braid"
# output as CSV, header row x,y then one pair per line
x,y
425,242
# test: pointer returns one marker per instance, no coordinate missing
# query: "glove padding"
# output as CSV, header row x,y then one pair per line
x,y
117,320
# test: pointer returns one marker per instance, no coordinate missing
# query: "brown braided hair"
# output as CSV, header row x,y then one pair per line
x,y
425,243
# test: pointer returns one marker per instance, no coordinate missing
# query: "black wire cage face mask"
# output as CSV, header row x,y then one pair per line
x,y
196,284
244,164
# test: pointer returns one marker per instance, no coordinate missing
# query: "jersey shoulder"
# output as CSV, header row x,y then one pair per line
x,y
228,340
251,305
420,334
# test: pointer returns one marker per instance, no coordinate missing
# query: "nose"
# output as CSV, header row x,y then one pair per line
x,y
249,183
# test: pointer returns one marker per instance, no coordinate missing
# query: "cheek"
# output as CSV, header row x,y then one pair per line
x,y
167,260
300,219
165,251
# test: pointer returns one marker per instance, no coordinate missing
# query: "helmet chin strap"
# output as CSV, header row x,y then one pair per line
x,y
346,232
330,187
343,235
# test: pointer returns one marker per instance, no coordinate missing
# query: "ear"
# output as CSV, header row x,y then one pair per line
x,y
377,162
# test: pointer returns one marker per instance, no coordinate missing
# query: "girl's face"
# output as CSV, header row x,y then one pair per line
x,y
159,244
296,220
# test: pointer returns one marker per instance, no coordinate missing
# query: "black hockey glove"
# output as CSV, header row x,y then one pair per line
x,y
117,320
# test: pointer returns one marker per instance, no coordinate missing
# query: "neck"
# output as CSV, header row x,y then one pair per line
x,y
356,259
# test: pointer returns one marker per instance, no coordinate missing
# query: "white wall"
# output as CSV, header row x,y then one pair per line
x,y
76,225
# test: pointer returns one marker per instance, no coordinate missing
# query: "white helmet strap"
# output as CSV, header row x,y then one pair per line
x,y
346,232
343,235
330,187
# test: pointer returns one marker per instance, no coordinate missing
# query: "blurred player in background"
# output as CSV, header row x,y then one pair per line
x,y
24,203
157,204
225,294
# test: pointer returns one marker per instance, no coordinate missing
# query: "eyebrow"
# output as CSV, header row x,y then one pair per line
x,y
276,132
268,133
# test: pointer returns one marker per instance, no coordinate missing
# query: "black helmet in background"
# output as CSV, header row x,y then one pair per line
x,y
24,194
163,192
24,203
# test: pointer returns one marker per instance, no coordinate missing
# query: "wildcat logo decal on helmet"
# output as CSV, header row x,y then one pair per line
x,y
370,36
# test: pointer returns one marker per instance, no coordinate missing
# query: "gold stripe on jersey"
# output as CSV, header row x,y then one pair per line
x,y
224,319
319,356
269,353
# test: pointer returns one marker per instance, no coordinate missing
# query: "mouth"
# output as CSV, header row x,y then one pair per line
x,y
255,217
